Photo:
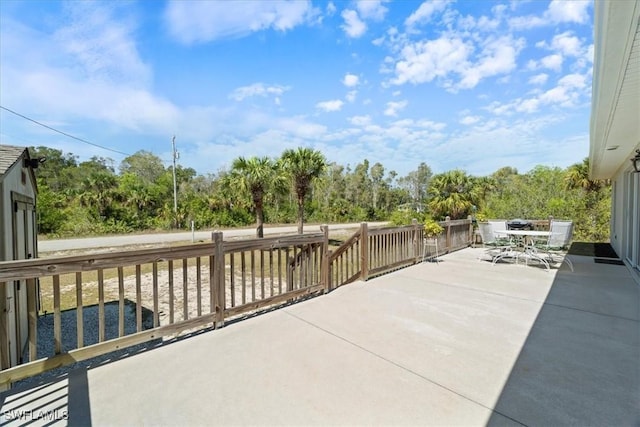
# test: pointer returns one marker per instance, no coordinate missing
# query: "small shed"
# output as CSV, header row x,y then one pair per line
x,y
18,240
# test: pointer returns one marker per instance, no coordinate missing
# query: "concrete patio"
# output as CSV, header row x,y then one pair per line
x,y
459,342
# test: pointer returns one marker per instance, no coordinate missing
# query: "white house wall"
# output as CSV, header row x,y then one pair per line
x,y
617,213
625,216
615,120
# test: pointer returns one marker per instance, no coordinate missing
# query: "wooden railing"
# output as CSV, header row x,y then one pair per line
x,y
131,297
172,290
391,248
368,253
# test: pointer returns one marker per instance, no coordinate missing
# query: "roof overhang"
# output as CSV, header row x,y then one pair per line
x,y
18,157
615,101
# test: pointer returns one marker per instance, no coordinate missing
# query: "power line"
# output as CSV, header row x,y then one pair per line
x,y
64,133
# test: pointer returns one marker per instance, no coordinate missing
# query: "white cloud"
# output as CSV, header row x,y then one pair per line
x,y
568,93
203,21
469,120
350,80
300,127
393,107
89,69
568,11
360,120
354,20
353,26
423,61
425,12
498,137
428,124
258,89
372,9
378,42
539,79
574,80
567,44
328,106
553,62
558,11
102,44
498,57
331,8
524,22
351,95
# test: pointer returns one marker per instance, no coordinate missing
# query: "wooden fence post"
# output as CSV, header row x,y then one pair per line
x,y
218,279
416,244
448,226
324,266
364,254
550,221
5,359
290,266
33,318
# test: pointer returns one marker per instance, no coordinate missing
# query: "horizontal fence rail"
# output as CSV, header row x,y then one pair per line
x,y
83,306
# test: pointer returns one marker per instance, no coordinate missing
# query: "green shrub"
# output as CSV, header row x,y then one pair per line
x,y
432,228
405,217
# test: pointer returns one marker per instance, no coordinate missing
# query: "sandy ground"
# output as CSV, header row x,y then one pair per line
x,y
197,302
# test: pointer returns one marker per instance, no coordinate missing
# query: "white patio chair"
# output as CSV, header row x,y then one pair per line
x,y
430,243
493,244
558,242
498,224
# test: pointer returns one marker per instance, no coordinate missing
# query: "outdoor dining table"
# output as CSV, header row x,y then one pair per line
x,y
524,234
527,250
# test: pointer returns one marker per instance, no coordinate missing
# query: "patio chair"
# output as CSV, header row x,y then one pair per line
x,y
430,243
493,244
557,243
498,224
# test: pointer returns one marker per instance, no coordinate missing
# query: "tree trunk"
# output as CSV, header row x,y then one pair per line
x,y
300,214
259,219
259,223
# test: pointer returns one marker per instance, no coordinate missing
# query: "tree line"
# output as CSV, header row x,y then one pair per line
x,y
92,197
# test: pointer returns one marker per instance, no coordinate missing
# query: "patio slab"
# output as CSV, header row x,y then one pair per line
x,y
459,342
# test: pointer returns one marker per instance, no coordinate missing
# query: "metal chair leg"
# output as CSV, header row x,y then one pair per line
x,y
424,250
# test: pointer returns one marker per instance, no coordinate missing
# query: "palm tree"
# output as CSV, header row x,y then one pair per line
x,y
577,176
255,176
484,186
98,192
453,193
303,166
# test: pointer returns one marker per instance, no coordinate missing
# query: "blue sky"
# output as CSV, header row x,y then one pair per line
x,y
474,85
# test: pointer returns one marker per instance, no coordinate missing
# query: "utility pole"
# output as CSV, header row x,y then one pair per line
x,y
176,156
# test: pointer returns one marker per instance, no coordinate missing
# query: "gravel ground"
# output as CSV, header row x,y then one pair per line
x,y
90,336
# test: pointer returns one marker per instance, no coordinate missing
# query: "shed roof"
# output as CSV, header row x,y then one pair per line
x,y
9,155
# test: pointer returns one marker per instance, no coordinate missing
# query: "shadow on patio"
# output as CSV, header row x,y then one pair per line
x,y
64,400
580,362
